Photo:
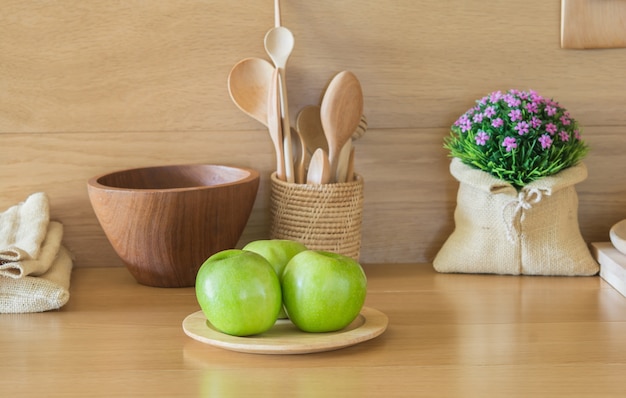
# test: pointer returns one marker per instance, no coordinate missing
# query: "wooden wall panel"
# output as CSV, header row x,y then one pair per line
x,y
87,87
409,194
140,65
589,24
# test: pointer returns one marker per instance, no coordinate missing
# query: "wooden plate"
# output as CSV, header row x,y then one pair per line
x,y
285,338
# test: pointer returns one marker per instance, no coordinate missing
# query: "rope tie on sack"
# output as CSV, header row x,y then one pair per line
x,y
524,201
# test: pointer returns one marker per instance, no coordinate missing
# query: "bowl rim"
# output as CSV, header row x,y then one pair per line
x,y
616,235
253,174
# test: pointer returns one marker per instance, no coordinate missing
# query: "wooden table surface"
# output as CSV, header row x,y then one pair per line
x,y
448,335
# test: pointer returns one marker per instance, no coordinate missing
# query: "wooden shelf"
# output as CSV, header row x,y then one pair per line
x,y
448,335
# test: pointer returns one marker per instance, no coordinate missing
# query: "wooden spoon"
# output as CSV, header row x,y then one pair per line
x,y
249,85
277,13
309,126
274,124
299,156
279,44
361,129
350,173
343,161
340,112
299,153
319,168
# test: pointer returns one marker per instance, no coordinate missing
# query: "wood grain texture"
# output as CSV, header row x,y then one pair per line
x,y
587,24
91,87
452,335
284,338
165,221
153,66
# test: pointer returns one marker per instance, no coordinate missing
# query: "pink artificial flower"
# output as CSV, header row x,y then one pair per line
x,y
551,128
490,111
478,118
535,97
497,122
509,143
495,96
564,136
515,114
536,122
512,101
565,121
466,126
464,123
532,107
550,110
522,128
481,138
545,141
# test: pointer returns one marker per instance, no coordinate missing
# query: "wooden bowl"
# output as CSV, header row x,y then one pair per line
x,y
617,234
165,221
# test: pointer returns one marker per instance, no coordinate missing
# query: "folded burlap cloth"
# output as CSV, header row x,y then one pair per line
x,y
35,268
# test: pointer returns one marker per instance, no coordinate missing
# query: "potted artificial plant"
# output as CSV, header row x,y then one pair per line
x,y
517,157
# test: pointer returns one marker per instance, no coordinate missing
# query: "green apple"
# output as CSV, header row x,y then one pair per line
x,y
239,292
323,291
277,252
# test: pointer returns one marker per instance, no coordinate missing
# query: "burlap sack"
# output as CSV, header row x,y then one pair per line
x,y
499,230
49,291
35,269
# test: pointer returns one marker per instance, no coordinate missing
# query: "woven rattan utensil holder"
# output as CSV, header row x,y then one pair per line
x,y
323,217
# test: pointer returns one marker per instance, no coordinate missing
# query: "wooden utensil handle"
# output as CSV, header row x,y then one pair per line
x,y
277,13
286,128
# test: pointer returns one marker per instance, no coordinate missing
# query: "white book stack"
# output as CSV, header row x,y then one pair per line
x,y
612,265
